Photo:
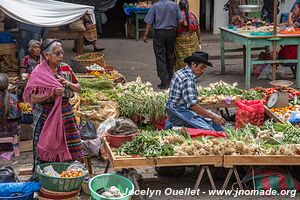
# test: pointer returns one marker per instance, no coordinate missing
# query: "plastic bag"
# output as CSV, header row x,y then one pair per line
x,y
77,166
7,175
105,126
50,171
6,155
249,112
22,188
124,126
87,130
295,118
266,72
91,147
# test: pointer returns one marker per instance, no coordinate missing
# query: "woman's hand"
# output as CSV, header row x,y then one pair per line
x,y
291,15
59,91
63,81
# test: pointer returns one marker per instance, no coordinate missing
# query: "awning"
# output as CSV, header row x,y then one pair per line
x,y
44,13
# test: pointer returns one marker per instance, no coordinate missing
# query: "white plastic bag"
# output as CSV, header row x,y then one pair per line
x,y
77,166
105,126
266,72
50,171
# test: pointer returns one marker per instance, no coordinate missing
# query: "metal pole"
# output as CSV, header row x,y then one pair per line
x,y
274,41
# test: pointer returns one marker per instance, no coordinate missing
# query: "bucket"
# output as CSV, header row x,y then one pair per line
x,y
108,180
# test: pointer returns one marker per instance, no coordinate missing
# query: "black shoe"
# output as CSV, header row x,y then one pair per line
x,y
99,50
163,86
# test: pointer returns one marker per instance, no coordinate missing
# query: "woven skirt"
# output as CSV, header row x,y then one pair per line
x,y
186,44
70,127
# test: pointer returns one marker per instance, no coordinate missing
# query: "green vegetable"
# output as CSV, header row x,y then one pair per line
x,y
139,99
148,144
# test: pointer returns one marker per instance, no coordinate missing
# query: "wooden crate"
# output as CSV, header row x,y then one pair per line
x,y
282,160
119,162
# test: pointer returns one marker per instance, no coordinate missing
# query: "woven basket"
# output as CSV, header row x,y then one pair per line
x,y
89,59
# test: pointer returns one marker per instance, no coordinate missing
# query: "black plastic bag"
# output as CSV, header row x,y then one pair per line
x,y
7,175
87,130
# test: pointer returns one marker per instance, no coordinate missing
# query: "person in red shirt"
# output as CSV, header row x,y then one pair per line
x,y
30,61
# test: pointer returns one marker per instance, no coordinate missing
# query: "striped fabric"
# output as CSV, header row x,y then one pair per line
x,y
68,74
186,44
70,127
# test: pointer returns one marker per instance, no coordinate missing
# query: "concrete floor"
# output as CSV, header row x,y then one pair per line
x,y
135,58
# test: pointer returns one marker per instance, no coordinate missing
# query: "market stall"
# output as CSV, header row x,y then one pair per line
x,y
136,13
250,41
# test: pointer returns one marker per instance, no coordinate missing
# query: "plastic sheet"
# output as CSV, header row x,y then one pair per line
x,y
22,188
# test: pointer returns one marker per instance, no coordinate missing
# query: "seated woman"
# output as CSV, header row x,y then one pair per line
x,y
9,113
51,84
29,62
290,51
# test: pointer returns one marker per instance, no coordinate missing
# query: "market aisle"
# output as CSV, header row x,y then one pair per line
x,y
135,58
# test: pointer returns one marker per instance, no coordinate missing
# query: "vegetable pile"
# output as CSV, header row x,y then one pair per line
x,y
221,92
90,88
267,92
139,99
269,139
285,113
152,144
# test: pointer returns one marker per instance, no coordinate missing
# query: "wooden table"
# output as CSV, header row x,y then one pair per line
x,y
276,160
77,36
218,105
139,15
249,42
119,163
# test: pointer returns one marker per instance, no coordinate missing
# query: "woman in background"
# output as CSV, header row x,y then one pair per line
x,y
30,61
188,36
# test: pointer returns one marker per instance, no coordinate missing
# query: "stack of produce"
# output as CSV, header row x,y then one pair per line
x,y
221,92
285,113
25,107
90,88
267,92
269,139
139,99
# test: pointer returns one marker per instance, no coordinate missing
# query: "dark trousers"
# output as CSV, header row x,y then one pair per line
x,y
164,45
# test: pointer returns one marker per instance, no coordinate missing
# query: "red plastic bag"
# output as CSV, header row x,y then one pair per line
x,y
249,112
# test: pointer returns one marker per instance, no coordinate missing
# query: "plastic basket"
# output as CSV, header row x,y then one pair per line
x,y
26,118
59,184
108,180
89,59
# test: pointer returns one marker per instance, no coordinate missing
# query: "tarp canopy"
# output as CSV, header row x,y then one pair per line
x,y
44,13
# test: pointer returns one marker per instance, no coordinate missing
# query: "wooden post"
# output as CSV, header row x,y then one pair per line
x,y
274,43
